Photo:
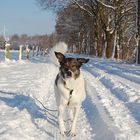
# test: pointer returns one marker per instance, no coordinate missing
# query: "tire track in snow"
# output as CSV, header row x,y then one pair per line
x,y
116,71
123,67
97,117
129,129
121,88
116,82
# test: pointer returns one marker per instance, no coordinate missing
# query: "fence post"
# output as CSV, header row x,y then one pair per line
x,y
7,51
33,49
20,52
27,52
37,50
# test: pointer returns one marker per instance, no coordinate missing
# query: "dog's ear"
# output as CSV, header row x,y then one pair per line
x,y
82,61
59,56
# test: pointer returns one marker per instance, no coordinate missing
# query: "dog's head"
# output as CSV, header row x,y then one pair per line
x,y
70,67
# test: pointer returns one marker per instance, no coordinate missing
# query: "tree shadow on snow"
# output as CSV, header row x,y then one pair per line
x,y
135,110
28,103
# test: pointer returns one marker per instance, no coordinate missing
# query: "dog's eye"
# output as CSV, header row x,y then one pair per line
x,y
73,66
66,68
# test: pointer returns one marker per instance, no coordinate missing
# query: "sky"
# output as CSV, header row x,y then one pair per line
x,y
25,17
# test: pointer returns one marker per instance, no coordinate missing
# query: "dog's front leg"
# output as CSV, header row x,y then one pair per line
x,y
75,117
60,119
71,113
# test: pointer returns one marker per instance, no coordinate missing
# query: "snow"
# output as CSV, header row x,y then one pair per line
x,y
111,110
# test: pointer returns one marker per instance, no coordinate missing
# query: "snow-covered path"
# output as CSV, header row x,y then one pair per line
x,y
110,111
22,116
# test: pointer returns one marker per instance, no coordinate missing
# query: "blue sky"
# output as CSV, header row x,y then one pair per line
x,y
25,17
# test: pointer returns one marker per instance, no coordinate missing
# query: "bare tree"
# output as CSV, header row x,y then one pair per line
x,y
101,27
138,25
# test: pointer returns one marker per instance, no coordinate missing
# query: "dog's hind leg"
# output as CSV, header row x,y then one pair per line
x,y
61,120
75,117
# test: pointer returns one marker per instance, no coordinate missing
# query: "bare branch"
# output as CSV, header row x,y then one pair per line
x,y
108,6
82,7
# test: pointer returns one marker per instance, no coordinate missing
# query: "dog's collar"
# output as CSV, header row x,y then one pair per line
x,y
70,91
70,96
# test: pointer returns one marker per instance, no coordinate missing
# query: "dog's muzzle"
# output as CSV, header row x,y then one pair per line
x,y
69,73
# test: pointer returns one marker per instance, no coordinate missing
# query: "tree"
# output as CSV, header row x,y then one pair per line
x,y
138,25
55,5
101,27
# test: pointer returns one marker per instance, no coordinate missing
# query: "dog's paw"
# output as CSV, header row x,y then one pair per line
x,y
71,133
62,133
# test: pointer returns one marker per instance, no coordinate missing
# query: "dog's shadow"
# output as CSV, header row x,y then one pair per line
x,y
28,103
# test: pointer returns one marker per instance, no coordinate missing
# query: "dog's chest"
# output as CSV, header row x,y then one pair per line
x,y
71,83
65,86
78,93
73,99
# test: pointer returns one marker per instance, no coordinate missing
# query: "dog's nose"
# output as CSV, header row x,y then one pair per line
x,y
69,73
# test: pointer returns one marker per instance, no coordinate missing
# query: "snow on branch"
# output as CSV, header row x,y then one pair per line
x,y
82,7
108,6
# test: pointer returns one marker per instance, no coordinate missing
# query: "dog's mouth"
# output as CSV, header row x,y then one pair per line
x,y
66,74
70,74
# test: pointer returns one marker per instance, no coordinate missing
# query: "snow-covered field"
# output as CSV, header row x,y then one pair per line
x,y
111,110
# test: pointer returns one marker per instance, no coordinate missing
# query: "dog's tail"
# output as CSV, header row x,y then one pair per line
x,y
59,47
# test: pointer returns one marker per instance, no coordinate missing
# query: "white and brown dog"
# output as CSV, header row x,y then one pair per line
x,y
69,88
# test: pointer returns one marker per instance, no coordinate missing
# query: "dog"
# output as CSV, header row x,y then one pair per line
x,y
69,88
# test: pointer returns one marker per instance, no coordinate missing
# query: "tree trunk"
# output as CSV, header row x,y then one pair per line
x,y
105,46
138,31
109,48
121,43
114,44
99,48
97,42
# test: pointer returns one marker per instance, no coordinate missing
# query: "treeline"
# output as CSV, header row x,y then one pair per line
x,y
43,42
104,28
